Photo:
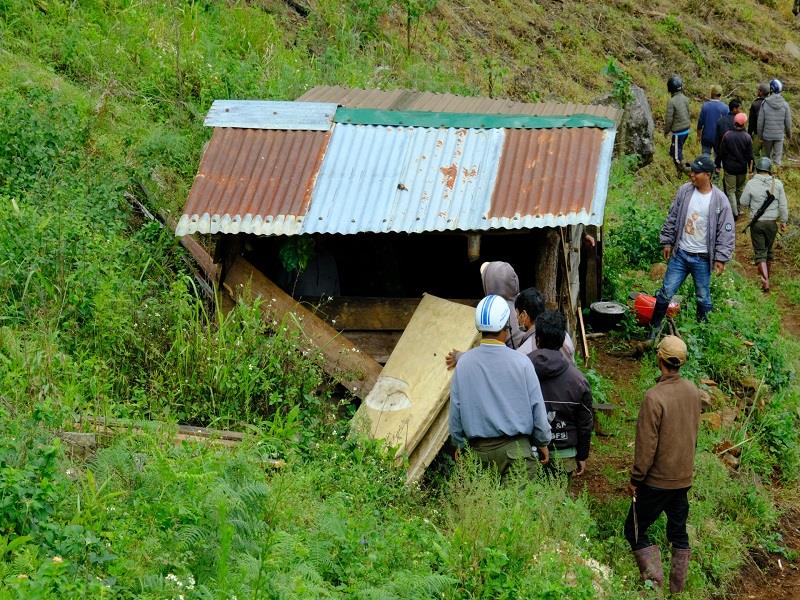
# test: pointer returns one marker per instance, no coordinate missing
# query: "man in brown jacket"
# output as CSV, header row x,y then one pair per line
x,y
666,435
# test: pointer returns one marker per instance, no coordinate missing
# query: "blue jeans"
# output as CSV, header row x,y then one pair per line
x,y
708,148
681,265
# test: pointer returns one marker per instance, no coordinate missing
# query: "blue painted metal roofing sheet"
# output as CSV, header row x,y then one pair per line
x,y
404,179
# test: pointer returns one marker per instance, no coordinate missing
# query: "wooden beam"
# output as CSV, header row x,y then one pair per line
x,y
378,344
365,313
354,369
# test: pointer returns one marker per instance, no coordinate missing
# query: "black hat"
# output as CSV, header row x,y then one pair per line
x,y
703,164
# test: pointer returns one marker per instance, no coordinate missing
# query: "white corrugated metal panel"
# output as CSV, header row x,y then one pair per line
x,y
257,114
404,179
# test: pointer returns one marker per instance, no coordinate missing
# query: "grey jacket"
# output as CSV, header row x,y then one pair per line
x,y
774,119
678,117
721,235
495,393
755,193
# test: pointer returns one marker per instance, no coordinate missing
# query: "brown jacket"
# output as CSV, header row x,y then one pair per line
x,y
666,434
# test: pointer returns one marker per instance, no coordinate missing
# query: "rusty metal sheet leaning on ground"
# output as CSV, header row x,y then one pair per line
x,y
414,385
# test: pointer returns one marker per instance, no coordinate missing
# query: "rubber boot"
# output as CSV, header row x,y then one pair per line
x,y
659,311
678,569
649,563
763,271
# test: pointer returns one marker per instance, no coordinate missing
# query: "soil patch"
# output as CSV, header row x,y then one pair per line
x,y
772,576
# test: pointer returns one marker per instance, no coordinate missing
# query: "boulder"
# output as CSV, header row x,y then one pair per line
x,y
637,128
705,402
712,420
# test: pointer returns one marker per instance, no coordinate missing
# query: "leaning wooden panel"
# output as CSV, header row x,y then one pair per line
x,y
415,383
429,445
356,371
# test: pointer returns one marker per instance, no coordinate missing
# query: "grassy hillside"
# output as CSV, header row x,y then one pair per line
x,y
100,315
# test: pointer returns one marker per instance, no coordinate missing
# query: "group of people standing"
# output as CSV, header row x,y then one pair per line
x,y
735,144
518,398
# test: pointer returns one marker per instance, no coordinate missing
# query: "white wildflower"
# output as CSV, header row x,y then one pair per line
x,y
58,560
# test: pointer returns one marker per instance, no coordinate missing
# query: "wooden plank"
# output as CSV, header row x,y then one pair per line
x,y
379,314
415,383
378,344
429,445
354,369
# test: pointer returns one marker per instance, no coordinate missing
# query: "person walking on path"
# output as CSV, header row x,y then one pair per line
x,y
764,229
774,122
567,397
725,122
711,111
663,466
677,121
496,404
735,154
752,119
697,237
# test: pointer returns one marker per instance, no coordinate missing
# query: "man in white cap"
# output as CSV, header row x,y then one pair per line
x,y
663,466
496,404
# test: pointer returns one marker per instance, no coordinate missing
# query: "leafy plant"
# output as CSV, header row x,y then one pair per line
x,y
620,83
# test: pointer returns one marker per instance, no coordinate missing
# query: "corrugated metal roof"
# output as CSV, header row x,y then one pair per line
x,y
427,101
259,114
402,179
409,179
254,181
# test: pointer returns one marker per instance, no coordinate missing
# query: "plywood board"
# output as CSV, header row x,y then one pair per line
x,y
415,383
429,445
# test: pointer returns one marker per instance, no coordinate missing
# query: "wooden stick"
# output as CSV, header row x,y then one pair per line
x,y
583,336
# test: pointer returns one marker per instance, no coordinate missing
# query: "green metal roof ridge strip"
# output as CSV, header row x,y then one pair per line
x,y
410,118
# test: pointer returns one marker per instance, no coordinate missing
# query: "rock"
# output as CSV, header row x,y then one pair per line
x,y
713,420
637,127
658,270
749,383
718,397
792,50
729,416
705,401
730,460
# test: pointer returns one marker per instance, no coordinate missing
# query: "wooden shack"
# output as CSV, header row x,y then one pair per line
x,y
348,206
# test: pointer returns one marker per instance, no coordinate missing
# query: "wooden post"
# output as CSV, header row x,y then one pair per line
x,y
547,267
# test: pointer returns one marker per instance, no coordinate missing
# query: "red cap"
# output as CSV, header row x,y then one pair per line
x,y
740,119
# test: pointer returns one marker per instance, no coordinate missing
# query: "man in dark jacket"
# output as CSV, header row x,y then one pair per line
x,y
567,396
725,122
663,465
697,237
710,112
752,119
735,154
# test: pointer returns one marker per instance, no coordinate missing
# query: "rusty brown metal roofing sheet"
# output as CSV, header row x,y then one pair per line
x,y
428,101
250,177
549,172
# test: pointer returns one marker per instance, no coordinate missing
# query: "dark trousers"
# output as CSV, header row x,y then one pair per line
x,y
676,147
763,235
650,503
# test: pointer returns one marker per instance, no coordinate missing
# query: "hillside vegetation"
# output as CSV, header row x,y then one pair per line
x,y
100,315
